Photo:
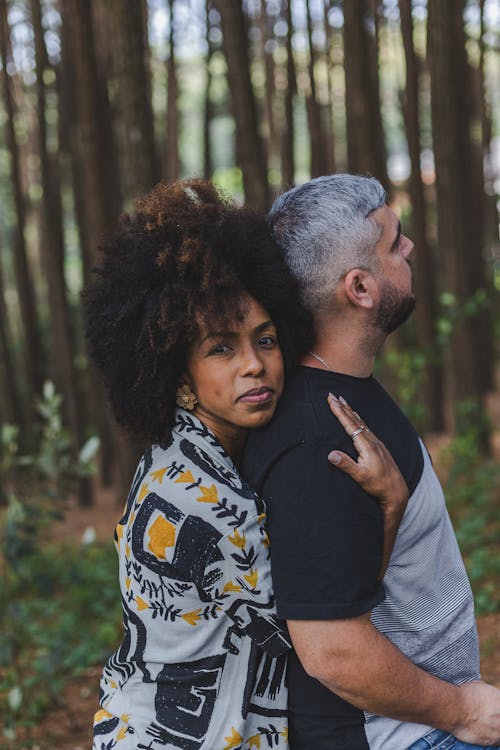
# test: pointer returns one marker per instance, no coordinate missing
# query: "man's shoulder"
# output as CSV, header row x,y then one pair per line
x,y
302,418
303,406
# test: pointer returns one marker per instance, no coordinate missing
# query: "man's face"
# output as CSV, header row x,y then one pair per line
x,y
393,272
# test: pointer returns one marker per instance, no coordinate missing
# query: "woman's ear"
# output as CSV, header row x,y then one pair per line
x,y
361,288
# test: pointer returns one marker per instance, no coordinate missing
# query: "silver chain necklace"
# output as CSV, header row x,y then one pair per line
x,y
320,359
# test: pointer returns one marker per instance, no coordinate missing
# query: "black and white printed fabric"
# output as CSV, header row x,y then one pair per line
x,y
202,662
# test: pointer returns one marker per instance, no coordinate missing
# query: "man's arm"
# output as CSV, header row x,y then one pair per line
x,y
355,661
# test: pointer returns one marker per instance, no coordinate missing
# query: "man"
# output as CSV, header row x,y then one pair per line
x,y
375,664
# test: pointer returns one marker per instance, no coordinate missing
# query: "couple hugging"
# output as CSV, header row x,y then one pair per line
x,y
288,571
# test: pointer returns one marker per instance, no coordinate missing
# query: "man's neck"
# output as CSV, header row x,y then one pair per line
x,y
329,359
344,350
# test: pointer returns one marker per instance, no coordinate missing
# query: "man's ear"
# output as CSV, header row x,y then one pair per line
x,y
361,288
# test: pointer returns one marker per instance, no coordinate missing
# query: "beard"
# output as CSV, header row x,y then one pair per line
x,y
394,309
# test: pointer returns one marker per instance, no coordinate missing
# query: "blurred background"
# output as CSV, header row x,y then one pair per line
x,y
103,98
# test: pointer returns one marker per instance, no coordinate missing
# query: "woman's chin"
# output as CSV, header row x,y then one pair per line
x,y
257,417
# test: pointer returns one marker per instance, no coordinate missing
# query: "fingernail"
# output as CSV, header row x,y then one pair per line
x,y
332,397
334,457
342,400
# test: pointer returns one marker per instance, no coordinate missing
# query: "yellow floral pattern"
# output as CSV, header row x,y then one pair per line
x,y
197,599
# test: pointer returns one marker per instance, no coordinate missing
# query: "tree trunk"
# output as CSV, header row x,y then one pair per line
x,y
249,145
52,245
266,37
133,117
487,200
207,104
328,130
147,53
33,356
288,130
11,410
172,162
88,147
491,218
317,161
459,220
426,313
366,153
91,163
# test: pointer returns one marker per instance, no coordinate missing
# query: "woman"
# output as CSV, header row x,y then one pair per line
x,y
194,307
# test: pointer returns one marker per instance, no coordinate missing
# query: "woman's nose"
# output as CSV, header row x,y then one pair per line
x,y
252,363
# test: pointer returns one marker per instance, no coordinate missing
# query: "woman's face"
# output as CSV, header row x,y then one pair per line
x,y
237,373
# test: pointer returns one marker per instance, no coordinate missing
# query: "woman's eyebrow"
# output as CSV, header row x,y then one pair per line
x,y
230,333
216,335
263,326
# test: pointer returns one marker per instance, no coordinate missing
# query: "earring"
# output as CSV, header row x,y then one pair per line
x,y
185,398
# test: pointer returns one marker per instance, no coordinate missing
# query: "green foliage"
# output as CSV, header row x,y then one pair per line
x,y
35,487
63,615
229,180
406,369
46,591
452,313
472,487
473,498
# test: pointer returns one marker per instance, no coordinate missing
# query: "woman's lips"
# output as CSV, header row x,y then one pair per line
x,y
257,395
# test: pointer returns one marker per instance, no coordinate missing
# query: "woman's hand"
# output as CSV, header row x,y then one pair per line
x,y
375,471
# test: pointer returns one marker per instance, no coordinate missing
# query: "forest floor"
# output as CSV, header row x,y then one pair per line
x,y
67,727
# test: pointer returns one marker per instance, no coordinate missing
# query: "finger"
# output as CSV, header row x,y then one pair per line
x,y
345,463
343,414
352,412
361,423
349,408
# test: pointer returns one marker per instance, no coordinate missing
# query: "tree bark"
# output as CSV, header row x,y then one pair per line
x,y
33,355
249,145
133,117
487,201
426,313
313,109
288,129
11,409
52,245
266,38
172,162
329,133
91,163
207,103
87,144
459,220
366,153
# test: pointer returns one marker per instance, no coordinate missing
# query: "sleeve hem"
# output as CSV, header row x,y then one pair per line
x,y
294,611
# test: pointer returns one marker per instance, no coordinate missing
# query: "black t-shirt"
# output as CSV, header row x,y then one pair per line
x,y
326,533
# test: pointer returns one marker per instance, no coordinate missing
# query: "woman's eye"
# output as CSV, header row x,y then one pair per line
x,y
268,341
220,349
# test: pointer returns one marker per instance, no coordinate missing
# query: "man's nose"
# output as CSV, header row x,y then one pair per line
x,y
407,246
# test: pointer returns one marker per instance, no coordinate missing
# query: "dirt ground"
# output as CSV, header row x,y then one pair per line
x,y
67,727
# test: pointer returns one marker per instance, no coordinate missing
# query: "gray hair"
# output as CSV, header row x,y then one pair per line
x,y
324,229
